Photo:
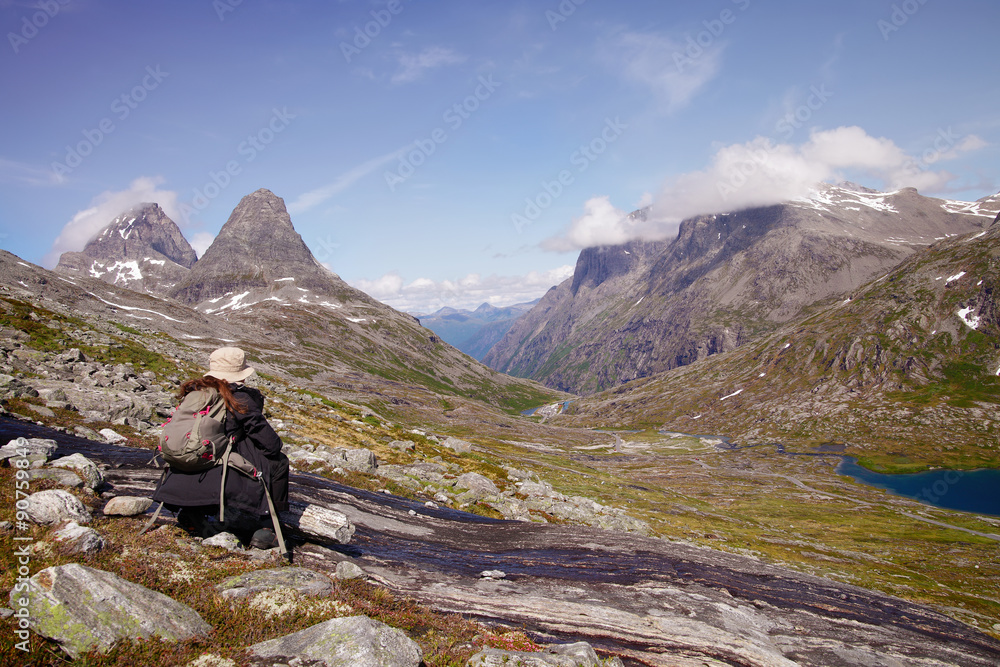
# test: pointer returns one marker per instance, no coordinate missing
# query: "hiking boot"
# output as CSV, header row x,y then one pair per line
x,y
195,523
264,538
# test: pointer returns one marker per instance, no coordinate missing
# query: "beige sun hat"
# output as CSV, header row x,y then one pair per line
x,y
229,363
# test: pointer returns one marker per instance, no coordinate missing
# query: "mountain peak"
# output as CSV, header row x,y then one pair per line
x,y
141,249
256,249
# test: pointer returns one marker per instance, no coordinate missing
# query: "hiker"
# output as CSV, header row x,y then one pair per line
x,y
196,495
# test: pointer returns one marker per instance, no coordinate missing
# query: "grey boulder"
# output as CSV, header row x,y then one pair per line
x,y
33,449
126,506
458,445
55,506
80,539
92,476
84,609
356,641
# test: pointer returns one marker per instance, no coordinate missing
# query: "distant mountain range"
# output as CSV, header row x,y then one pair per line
x,y
634,310
474,331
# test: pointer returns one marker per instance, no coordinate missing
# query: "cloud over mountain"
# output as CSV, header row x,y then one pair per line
x,y
761,172
105,206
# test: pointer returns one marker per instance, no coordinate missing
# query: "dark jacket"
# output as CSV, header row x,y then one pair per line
x,y
258,443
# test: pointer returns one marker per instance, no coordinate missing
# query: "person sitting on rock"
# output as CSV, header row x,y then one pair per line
x,y
195,496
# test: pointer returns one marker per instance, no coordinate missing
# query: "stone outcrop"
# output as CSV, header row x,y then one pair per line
x,y
356,641
84,609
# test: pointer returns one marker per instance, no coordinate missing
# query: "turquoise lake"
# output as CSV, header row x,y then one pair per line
x,y
975,491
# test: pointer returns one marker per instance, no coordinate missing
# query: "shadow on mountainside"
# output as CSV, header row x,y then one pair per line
x,y
651,601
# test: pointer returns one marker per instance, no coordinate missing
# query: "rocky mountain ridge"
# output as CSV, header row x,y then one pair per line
x,y
259,284
142,249
634,310
902,370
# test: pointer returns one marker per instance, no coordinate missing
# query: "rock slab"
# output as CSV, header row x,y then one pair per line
x,y
84,609
306,582
356,641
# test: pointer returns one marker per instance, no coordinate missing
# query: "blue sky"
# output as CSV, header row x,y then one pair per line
x,y
456,152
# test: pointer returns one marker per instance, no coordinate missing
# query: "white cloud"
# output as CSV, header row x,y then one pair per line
x,y
424,295
308,200
104,208
664,65
760,173
412,67
201,242
602,224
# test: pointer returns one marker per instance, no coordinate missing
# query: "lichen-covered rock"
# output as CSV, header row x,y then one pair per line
x,y
127,506
84,609
60,477
92,476
318,522
304,581
226,541
356,641
55,506
81,539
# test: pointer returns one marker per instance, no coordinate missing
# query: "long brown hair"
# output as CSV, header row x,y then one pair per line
x,y
209,382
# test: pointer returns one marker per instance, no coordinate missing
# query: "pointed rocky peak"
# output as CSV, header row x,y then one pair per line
x,y
257,249
139,232
142,249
